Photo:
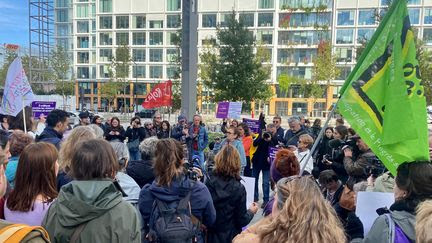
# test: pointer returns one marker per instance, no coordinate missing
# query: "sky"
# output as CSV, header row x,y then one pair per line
x,y
14,22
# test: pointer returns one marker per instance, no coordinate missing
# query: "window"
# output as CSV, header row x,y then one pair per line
x,y
172,38
300,72
344,36
364,35
345,17
296,55
344,54
172,72
105,22
62,3
366,17
83,57
173,21
82,11
428,15
93,10
105,55
209,20
156,55
413,2
138,38
344,72
172,55
93,57
156,38
427,36
122,22
83,72
139,22
414,15
62,15
122,38
105,39
156,71
209,41
304,19
173,5
62,30
82,27
265,36
265,19
93,26
303,37
156,24
139,55
138,71
83,42
248,19
224,19
104,71
284,4
265,4
105,6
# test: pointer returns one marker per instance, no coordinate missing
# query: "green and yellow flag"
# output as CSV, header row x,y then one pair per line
x,y
383,97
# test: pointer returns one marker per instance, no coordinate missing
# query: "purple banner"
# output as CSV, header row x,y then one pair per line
x,y
222,110
272,153
254,125
42,107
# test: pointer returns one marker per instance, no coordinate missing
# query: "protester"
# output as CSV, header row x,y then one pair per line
x,y
40,126
170,187
197,139
142,170
227,124
17,122
340,122
97,130
116,131
57,124
296,129
127,183
165,130
98,120
331,185
334,160
149,129
423,224
260,162
79,134
247,141
301,214
135,134
233,138
316,128
280,132
413,186
305,143
4,146
229,197
180,129
4,122
18,141
35,186
108,122
91,204
157,122
284,165
84,119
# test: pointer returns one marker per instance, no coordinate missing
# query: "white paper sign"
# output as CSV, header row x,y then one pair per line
x,y
249,184
368,203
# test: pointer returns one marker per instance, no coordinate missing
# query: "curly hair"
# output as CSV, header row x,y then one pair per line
x,y
424,222
286,163
148,146
227,162
18,141
304,215
77,135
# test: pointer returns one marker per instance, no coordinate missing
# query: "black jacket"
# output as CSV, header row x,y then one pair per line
x,y
49,135
110,137
291,138
141,171
229,199
260,158
163,134
280,132
135,133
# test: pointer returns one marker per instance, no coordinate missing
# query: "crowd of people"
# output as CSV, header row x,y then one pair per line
x,y
153,182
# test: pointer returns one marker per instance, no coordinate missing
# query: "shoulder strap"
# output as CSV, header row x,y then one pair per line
x,y
17,232
77,232
184,204
391,235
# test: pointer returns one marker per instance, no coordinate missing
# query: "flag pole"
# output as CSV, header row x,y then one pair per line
x,y
320,135
24,116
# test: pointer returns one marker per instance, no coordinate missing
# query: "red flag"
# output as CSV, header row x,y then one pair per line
x,y
161,95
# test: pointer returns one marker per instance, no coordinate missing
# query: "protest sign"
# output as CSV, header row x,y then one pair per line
x,y
249,184
272,153
368,203
42,107
229,110
254,125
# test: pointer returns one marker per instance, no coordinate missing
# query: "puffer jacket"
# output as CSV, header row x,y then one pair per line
x,y
100,206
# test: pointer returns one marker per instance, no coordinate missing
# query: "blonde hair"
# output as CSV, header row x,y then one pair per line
x,y
227,162
307,139
304,215
79,134
424,222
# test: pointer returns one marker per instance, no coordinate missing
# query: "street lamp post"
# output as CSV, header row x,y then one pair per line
x,y
135,86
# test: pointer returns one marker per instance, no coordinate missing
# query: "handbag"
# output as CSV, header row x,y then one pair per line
x,y
134,145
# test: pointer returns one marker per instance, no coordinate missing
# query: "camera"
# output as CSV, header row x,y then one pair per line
x,y
267,135
190,170
376,168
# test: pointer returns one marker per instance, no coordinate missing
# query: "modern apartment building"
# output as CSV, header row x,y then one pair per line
x,y
290,30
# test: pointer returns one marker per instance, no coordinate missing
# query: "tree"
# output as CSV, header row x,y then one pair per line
x,y
424,57
109,91
119,70
231,69
176,62
60,66
9,58
324,71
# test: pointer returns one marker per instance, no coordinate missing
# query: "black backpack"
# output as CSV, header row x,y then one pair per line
x,y
172,225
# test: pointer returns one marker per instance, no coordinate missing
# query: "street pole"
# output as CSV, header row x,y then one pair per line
x,y
135,87
189,57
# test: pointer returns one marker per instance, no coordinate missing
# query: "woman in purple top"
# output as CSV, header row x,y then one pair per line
x,y
35,185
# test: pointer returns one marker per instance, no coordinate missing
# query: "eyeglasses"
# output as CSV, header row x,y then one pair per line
x,y
275,122
158,117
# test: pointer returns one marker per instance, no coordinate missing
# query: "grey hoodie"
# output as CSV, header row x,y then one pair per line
x,y
100,205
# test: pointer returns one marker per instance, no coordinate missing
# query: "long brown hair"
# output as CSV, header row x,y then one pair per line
x,y
227,162
35,176
168,161
304,215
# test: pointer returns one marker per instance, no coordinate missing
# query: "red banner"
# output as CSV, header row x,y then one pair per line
x,y
160,95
